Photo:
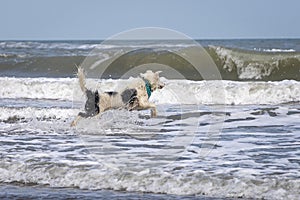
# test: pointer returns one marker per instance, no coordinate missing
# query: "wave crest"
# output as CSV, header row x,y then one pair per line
x,y
175,91
250,65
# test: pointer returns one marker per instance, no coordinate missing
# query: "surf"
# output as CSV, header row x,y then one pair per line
x,y
175,92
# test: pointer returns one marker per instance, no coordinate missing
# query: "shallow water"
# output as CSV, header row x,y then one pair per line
x,y
38,192
249,151
212,139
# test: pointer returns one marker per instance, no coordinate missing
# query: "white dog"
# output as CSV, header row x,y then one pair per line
x,y
134,97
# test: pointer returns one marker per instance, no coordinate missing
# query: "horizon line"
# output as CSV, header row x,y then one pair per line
x,y
97,39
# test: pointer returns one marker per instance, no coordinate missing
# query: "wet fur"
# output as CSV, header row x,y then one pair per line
x,y
134,97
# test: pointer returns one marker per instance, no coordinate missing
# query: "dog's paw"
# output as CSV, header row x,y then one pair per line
x,y
153,113
73,124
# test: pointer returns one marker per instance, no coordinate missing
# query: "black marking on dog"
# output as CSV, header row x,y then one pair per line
x,y
111,93
91,105
129,97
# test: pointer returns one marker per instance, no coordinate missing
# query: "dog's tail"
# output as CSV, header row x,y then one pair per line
x,y
81,77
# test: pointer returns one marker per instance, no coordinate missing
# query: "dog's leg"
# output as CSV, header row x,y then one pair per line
x,y
74,122
147,105
81,79
92,103
153,112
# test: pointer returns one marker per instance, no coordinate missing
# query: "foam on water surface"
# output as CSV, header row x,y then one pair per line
x,y
255,154
218,138
213,138
175,91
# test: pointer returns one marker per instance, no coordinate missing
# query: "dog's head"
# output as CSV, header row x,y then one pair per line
x,y
153,78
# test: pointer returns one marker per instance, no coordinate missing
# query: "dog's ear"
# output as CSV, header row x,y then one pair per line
x,y
158,72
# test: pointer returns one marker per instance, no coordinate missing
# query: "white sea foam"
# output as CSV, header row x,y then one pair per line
x,y
34,113
247,68
196,182
4,55
274,50
175,91
37,88
236,167
255,65
279,50
87,46
12,44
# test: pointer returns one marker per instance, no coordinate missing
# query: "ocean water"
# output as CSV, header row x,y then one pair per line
x,y
212,139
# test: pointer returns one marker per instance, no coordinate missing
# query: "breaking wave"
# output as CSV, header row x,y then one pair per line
x,y
193,183
175,91
272,65
233,64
